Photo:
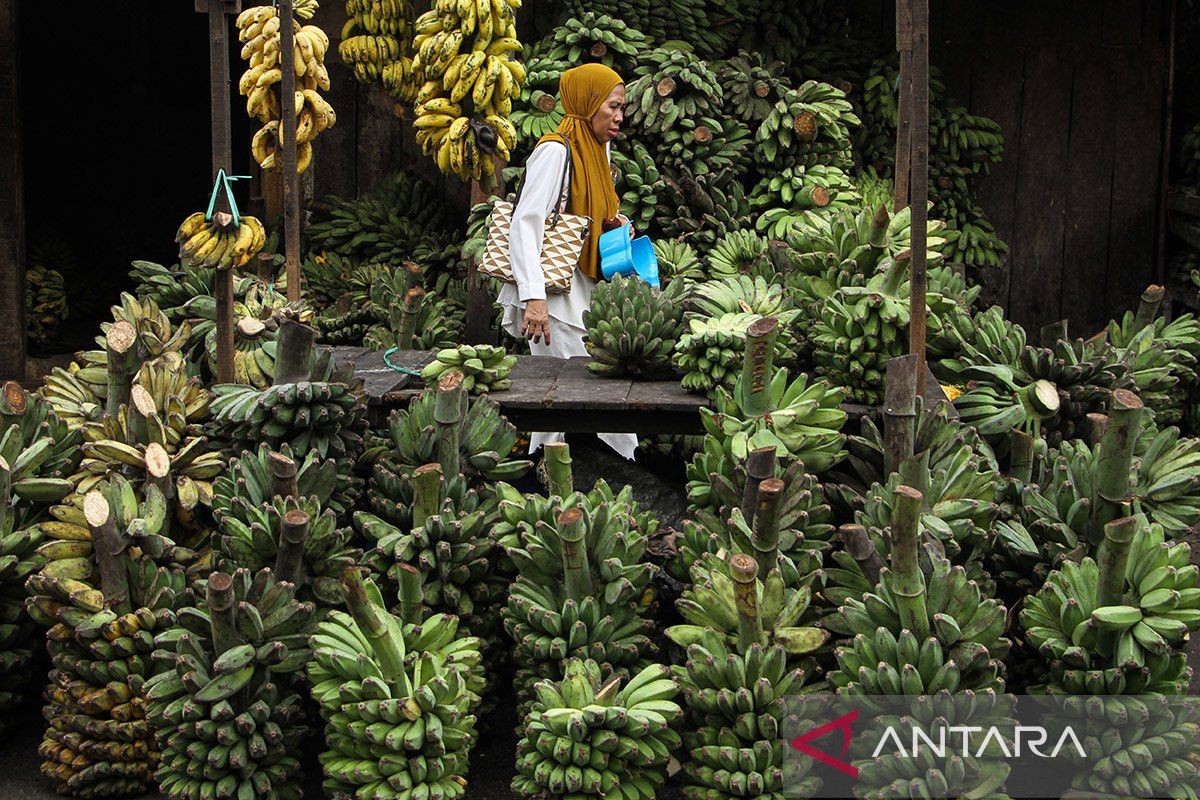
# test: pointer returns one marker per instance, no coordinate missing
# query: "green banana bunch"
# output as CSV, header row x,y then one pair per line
x,y
583,738
965,138
40,450
740,293
19,558
632,329
710,351
350,328
397,694
751,85
876,190
597,38
706,207
1085,373
706,145
860,327
416,319
973,241
248,482
539,110
155,337
1189,155
581,586
485,368
709,604
786,198
986,338
99,742
677,260
1161,355
325,275
671,85
222,709
1117,625
812,113
736,699
383,226
637,185
45,303
739,253
325,414
956,631
170,287
486,441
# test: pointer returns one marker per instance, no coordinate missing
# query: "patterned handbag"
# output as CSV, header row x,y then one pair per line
x,y
562,242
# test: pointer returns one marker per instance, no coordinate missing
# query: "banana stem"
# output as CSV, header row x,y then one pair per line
x,y
1113,462
908,582
1020,456
220,597
1149,307
414,276
1054,333
877,233
576,571
557,458
14,400
139,411
109,545
1112,559
760,465
283,475
895,275
294,352
289,560
427,493
766,524
899,411
158,473
410,596
863,551
758,367
449,409
1097,423
409,309
744,571
387,643
122,364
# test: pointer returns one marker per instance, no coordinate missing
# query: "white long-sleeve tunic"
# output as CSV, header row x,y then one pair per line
x,y
540,192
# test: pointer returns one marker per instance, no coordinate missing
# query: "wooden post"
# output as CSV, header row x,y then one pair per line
x,y
222,159
291,180
918,189
479,306
904,44
899,411
12,200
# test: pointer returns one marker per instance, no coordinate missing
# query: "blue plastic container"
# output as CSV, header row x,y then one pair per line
x,y
620,255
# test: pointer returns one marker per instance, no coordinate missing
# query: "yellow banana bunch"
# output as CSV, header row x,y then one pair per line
x,y
258,29
375,44
203,243
463,54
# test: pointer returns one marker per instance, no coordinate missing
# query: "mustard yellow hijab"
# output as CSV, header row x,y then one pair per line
x,y
583,90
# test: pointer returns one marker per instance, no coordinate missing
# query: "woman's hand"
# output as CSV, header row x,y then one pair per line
x,y
624,220
537,321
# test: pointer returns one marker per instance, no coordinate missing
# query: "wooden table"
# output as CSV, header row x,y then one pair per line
x,y
554,394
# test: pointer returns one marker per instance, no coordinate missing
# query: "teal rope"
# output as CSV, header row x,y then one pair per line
x,y
404,370
223,180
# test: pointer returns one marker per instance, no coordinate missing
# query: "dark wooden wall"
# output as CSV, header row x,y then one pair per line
x,y
1079,88
12,198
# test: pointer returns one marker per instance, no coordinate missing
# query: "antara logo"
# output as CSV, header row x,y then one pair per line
x,y
1024,738
842,724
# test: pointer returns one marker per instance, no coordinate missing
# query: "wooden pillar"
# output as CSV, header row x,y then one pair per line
x,y
219,12
12,204
291,181
912,37
903,105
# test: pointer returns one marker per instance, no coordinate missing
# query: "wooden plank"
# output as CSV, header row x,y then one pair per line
x,y
533,378
1037,244
604,421
1133,229
12,202
663,396
953,46
335,162
1088,186
380,148
997,93
1122,21
577,388
345,356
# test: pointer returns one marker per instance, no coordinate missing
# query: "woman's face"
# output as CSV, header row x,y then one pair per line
x,y
606,122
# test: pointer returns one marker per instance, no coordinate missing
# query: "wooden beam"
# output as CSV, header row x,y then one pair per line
x,y
291,180
12,203
919,181
904,44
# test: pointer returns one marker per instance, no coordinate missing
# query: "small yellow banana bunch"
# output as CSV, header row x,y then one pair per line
x,y
205,243
463,56
376,42
258,30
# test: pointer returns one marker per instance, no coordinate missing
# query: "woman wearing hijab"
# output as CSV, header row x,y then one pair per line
x,y
593,97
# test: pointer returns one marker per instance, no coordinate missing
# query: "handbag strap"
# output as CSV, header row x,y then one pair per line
x,y
563,189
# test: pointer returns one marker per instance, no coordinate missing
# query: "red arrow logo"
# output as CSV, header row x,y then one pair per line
x,y
842,724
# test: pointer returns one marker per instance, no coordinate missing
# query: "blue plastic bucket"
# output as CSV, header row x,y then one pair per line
x,y
620,255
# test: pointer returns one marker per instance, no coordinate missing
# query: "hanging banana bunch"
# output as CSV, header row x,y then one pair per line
x,y
376,43
45,303
463,51
258,30
204,242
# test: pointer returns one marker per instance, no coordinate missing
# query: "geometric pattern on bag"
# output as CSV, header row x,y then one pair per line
x,y
562,242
